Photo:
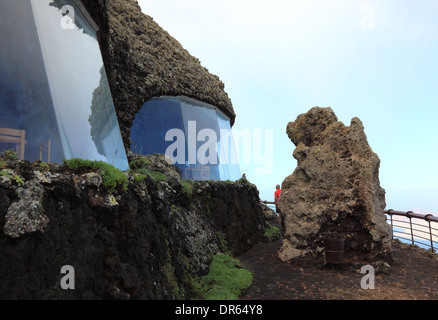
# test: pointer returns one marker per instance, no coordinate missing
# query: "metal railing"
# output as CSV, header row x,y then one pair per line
x,y
269,204
420,229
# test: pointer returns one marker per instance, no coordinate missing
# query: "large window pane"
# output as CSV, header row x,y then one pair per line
x,y
202,133
25,97
80,89
228,163
55,101
192,131
155,119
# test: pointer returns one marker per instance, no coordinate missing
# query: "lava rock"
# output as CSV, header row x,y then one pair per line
x,y
335,188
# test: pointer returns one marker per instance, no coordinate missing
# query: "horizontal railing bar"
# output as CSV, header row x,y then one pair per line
x,y
423,244
410,214
421,230
418,241
420,237
405,238
415,235
398,232
420,224
402,227
426,244
267,202
406,222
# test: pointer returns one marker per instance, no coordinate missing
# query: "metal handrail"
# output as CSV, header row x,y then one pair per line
x,y
268,203
415,233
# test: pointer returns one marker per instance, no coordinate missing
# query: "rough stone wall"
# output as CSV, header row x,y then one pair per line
x,y
334,188
142,243
143,61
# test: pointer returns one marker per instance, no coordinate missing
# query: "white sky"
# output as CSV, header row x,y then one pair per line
x,y
374,59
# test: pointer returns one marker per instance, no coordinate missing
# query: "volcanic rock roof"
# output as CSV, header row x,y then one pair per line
x,y
143,61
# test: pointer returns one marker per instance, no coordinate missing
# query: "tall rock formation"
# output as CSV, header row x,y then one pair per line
x,y
335,188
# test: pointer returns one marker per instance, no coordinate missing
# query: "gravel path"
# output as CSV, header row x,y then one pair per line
x,y
414,276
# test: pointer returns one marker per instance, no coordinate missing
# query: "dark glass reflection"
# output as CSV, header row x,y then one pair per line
x,y
163,123
228,162
202,118
25,98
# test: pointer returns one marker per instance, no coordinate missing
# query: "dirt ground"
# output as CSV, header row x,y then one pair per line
x,y
414,276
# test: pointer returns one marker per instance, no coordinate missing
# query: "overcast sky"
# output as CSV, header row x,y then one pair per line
x,y
376,60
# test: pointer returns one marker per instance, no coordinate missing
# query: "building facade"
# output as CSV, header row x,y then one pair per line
x,y
55,100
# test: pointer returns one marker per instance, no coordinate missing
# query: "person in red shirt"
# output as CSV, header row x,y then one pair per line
x,y
276,195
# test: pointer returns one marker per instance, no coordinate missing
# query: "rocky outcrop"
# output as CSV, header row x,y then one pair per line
x,y
26,215
143,61
268,212
145,240
335,188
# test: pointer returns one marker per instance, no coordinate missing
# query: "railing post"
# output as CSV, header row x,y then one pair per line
x,y
392,228
410,223
392,224
426,217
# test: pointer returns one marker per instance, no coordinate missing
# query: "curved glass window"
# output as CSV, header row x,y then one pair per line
x,y
195,136
55,100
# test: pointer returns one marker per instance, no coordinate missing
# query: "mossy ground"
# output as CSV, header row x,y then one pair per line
x,y
112,177
226,280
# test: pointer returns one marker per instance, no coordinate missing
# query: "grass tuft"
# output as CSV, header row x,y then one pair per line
x,y
226,280
112,177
